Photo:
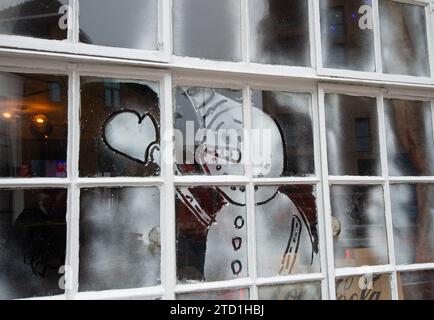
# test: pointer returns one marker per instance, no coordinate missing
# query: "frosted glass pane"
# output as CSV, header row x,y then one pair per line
x,y
296,291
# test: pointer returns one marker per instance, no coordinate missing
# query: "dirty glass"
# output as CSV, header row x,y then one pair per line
x,y
237,294
365,287
294,291
416,285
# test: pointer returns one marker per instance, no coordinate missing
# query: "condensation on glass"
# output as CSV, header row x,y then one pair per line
x,y
294,291
403,32
347,34
352,135
410,142
279,32
32,242
120,128
365,287
120,244
207,29
416,285
46,19
211,233
115,24
282,135
33,125
359,230
287,238
413,218
208,126
235,294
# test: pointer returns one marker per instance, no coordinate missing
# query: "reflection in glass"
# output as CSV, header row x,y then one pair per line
x,y
211,233
347,35
286,230
32,242
45,19
413,218
112,23
352,135
366,287
287,117
403,38
296,291
416,285
360,231
120,125
279,32
237,294
409,131
207,29
119,238
33,125
209,123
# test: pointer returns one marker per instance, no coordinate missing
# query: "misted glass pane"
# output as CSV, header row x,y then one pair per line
x,y
366,287
416,285
33,125
236,294
279,32
347,34
211,233
209,131
114,23
32,242
207,29
296,291
284,145
45,19
413,218
287,239
403,38
119,238
120,128
410,143
359,229
352,135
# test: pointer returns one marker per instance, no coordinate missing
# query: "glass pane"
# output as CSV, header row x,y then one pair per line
x,y
359,229
32,242
207,29
119,238
403,38
296,291
287,239
33,125
410,143
209,131
418,285
112,23
347,34
45,19
352,135
284,145
279,32
366,287
413,217
120,128
211,233
237,294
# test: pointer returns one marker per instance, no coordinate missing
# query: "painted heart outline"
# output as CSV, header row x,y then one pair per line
x,y
120,138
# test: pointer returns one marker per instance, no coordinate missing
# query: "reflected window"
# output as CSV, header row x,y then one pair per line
x,y
119,238
416,285
45,19
359,229
32,242
207,29
404,45
33,125
296,291
113,23
366,287
120,128
352,135
279,32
